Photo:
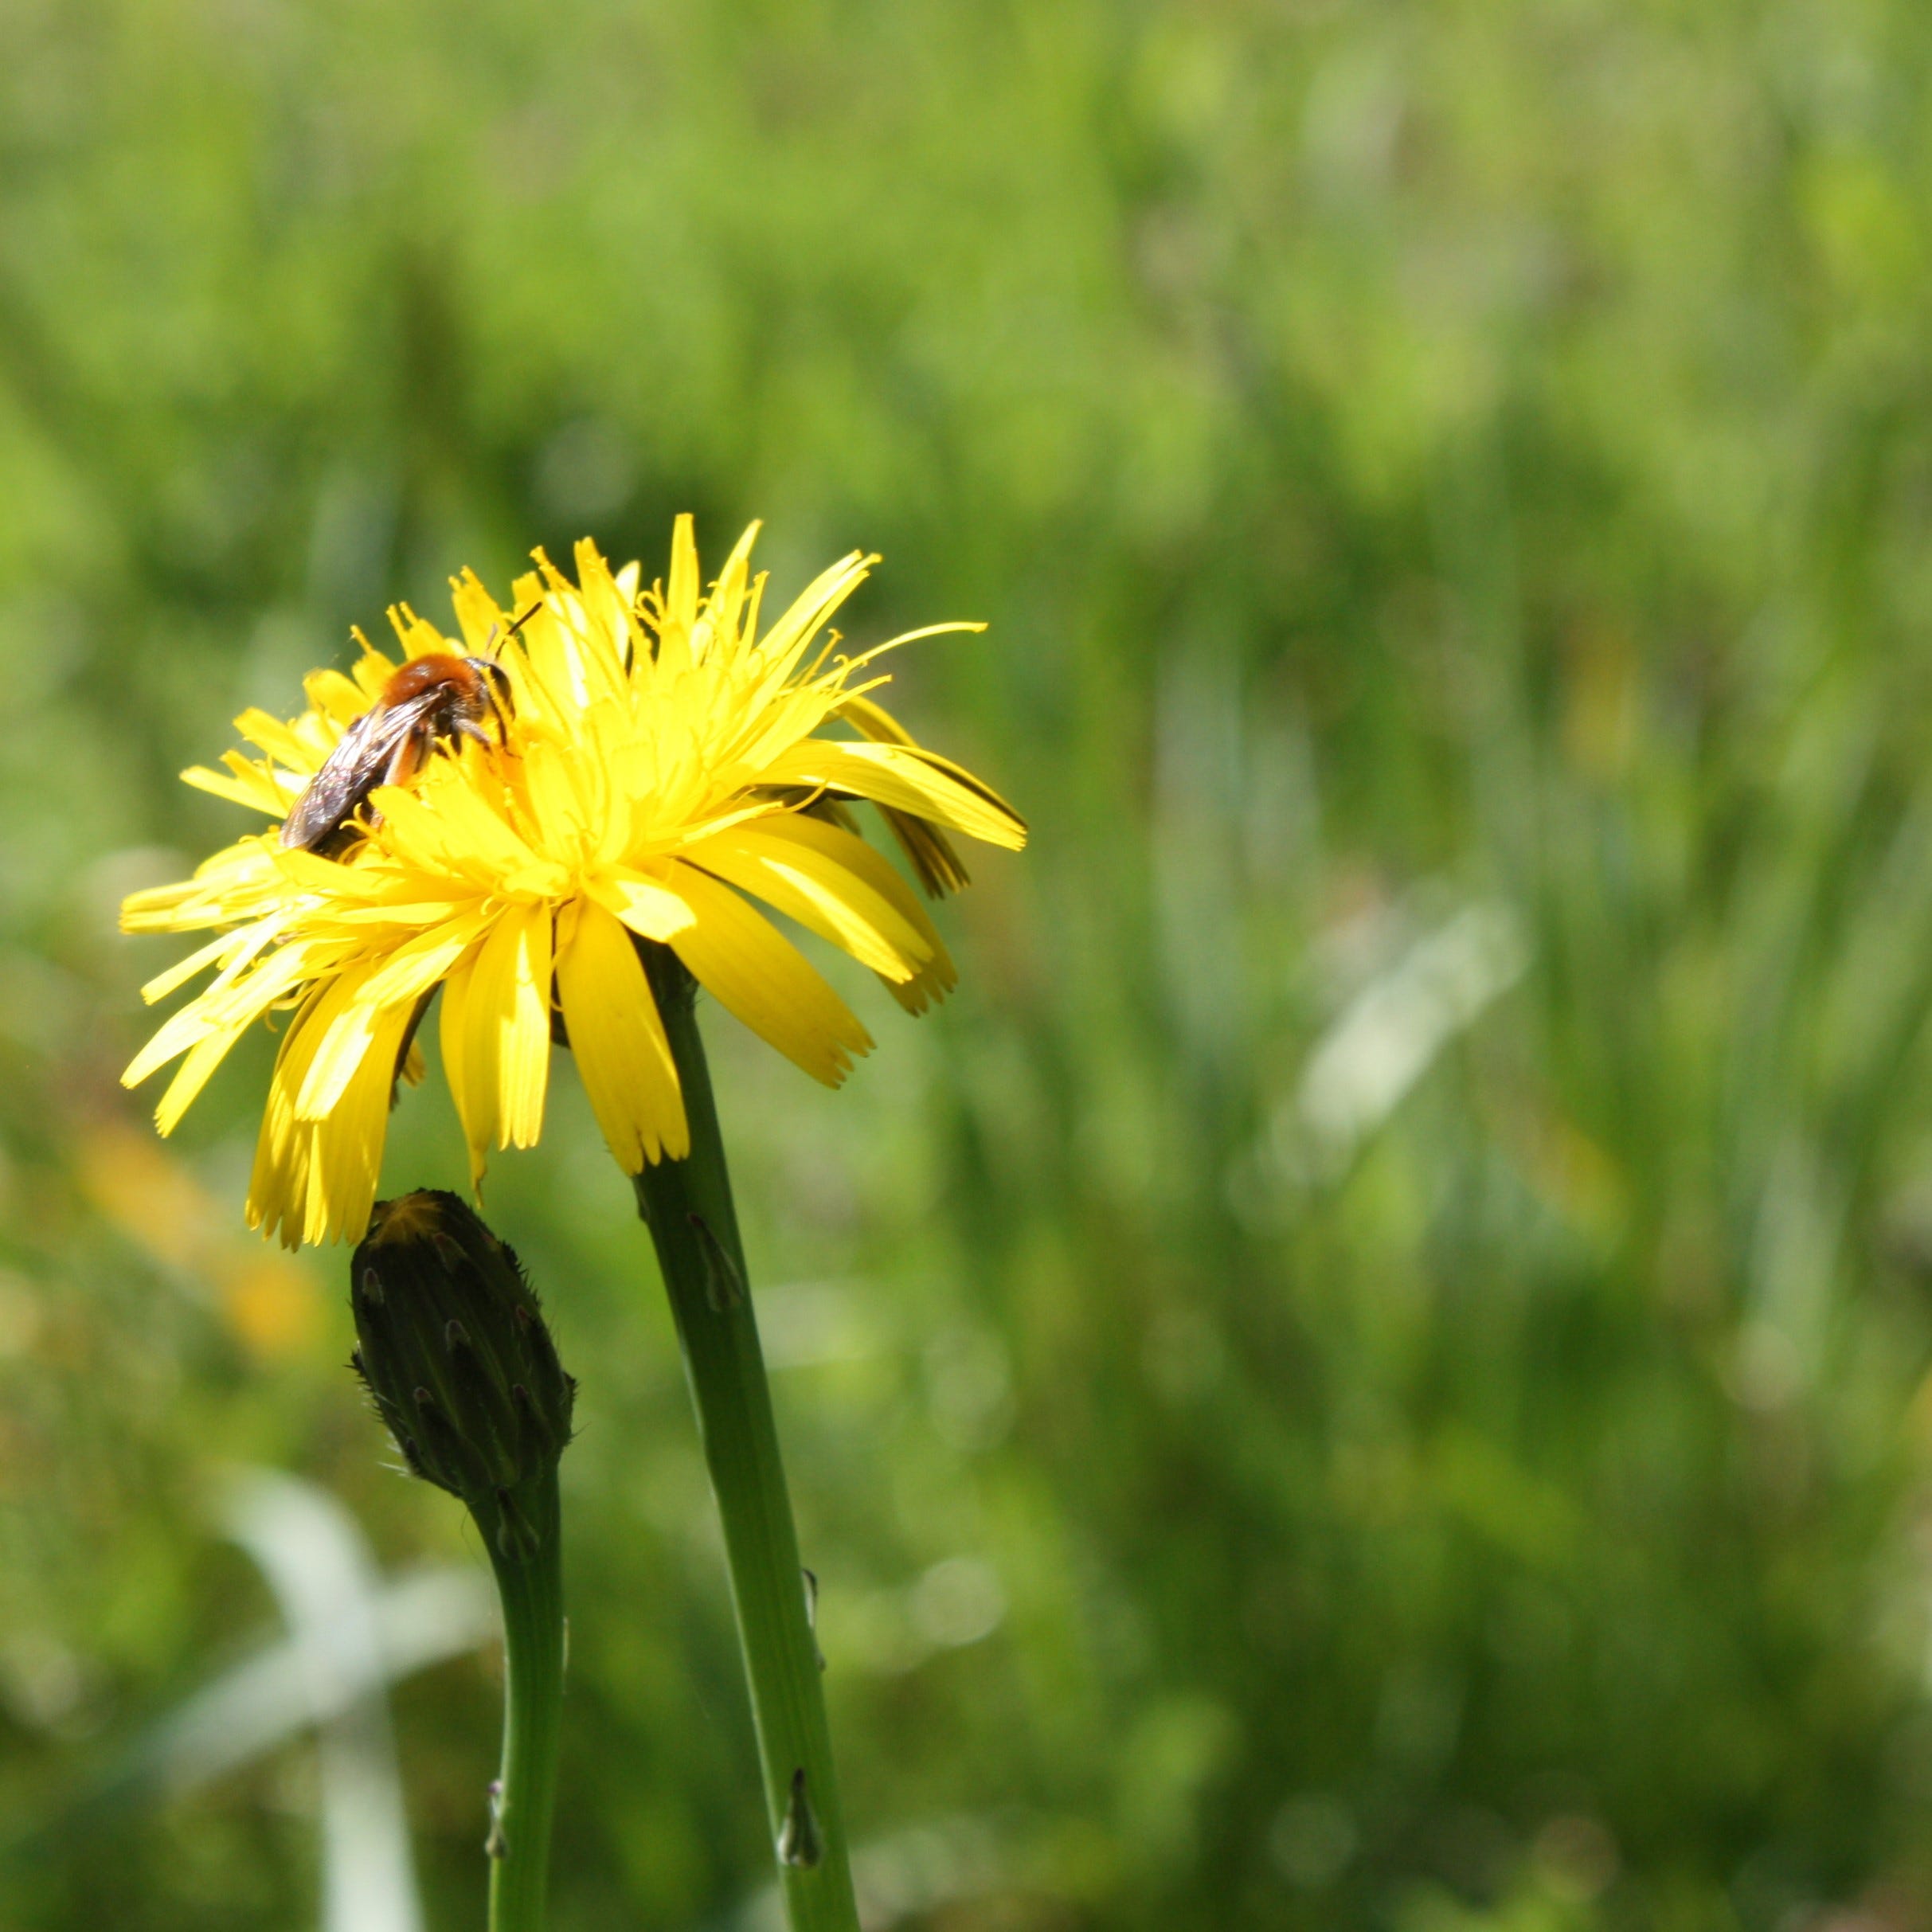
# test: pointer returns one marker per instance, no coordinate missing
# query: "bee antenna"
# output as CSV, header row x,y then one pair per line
x,y
486,654
522,621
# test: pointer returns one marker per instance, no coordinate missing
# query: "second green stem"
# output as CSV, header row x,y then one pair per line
x,y
531,1586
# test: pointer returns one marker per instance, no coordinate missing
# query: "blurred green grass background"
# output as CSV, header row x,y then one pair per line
x,y
1370,1369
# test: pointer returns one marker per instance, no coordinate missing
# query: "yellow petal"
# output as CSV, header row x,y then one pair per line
x,y
278,1188
244,783
540,662
338,698
443,827
938,976
400,980
505,1043
788,638
558,808
193,1074
919,782
735,953
279,1183
479,616
647,907
346,1149
233,1001
930,852
372,669
337,1035
727,599
476,1111
955,626
608,625
227,889
417,635
681,591
315,1180
806,869
617,1039
223,946
412,968
281,741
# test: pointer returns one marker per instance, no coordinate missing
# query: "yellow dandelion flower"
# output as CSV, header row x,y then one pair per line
x,y
655,765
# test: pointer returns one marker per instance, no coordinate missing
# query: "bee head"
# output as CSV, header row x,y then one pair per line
x,y
495,682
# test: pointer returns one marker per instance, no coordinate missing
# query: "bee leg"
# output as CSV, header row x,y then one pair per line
x,y
406,761
403,764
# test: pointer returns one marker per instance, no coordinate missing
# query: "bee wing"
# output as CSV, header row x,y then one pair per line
x,y
352,771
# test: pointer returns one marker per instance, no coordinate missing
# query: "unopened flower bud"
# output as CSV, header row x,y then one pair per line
x,y
453,1349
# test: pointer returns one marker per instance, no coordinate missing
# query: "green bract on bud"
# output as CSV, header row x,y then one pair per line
x,y
453,1348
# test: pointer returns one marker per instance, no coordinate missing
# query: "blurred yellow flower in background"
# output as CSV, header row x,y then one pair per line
x,y
659,761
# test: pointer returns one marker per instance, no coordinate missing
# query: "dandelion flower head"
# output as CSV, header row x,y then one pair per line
x,y
661,765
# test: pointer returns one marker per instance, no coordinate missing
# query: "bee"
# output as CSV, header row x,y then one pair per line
x,y
433,699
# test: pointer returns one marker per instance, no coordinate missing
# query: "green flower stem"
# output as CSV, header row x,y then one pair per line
x,y
531,1587
687,1206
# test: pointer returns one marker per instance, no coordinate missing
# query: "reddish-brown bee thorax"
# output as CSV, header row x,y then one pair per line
x,y
425,673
